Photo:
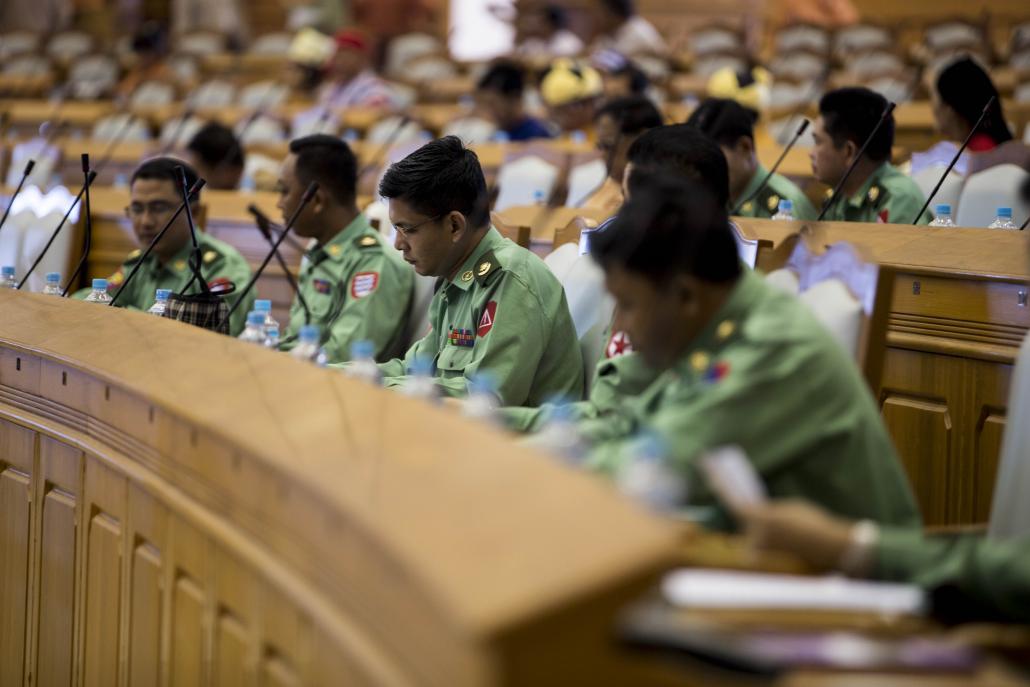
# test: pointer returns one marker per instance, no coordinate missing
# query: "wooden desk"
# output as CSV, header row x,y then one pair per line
x,y
180,504
958,317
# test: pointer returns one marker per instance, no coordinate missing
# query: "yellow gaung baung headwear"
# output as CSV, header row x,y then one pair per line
x,y
749,89
570,81
311,48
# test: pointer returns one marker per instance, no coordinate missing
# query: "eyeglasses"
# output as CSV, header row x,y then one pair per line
x,y
411,230
157,208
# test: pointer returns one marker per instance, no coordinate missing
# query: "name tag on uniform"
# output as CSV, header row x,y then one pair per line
x,y
322,286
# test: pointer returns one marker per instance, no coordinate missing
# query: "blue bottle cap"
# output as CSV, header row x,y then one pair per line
x,y
483,382
100,285
362,350
942,209
263,305
786,205
309,333
256,318
53,277
7,270
422,366
1005,212
163,294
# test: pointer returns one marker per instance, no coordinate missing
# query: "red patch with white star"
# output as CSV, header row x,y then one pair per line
x,y
618,344
363,284
486,322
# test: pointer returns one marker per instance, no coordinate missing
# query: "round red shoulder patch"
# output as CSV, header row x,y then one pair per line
x,y
486,322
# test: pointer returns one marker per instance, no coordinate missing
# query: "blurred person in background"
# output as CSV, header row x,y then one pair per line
x,y
572,91
217,155
620,28
619,123
351,79
499,94
150,50
619,76
542,33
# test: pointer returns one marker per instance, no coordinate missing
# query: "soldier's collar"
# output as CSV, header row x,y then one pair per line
x,y
178,264
723,328
477,265
336,248
752,187
862,195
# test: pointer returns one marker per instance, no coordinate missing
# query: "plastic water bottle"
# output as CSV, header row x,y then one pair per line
x,y
578,136
99,292
255,329
647,476
247,184
483,399
560,435
420,382
785,210
1003,220
7,280
264,306
942,216
539,198
53,284
308,348
363,363
160,302
351,135
271,337
121,180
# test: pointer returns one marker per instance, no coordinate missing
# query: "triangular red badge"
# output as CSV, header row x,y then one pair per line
x,y
486,322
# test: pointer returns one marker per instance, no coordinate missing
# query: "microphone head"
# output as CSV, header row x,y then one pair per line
x,y
197,186
890,108
990,104
803,127
44,129
85,163
28,166
90,176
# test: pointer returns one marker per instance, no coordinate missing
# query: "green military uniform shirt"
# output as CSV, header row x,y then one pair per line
x,y
887,196
995,574
503,313
767,203
766,376
357,287
219,261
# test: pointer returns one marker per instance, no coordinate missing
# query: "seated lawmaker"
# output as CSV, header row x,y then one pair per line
x,y
742,363
500,95
572,91
733,127
154,195
217,155
876,191
355,285
619,123
497,308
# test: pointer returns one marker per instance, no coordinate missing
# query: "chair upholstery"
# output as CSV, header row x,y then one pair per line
x,y
525,181
584,179
986,191
212,94
949,191
471,130
385,130
125,127
153,94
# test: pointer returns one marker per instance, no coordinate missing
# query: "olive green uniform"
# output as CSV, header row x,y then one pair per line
x,y
887,196
503,313
219,262
994,574
766,203
357,287
766,376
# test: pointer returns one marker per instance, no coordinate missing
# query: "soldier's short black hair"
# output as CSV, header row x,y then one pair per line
x,y
217,146
672,225
556,16
621,8
680,150
633,114
851,114
440,177
724,120
329,161
504,77
165,168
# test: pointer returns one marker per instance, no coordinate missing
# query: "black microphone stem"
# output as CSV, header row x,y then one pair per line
x,y
263,224
89,180
25,175
153,242
772,170
308,195
195,257
858,157
954,160
89,228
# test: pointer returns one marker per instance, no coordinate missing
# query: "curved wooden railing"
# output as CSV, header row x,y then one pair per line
x,y
180,508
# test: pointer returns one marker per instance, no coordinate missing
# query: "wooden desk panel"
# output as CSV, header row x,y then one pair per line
x,y
236,509
958,316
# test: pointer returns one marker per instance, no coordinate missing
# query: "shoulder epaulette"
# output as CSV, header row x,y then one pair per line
x,y
487,269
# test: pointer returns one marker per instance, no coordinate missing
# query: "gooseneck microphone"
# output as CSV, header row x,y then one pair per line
x,y
308,195
264,226
199,184
858,157
89,181
89,227
194,260
25,175
761,187
954,160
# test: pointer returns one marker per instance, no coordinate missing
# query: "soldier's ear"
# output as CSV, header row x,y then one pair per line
x,y
685,288
850,150
456,225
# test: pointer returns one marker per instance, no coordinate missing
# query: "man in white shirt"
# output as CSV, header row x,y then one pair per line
x,y
620,28
543,34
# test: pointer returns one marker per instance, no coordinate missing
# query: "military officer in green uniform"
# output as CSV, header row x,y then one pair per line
x,y
154,196
497,308
984,578
876,191
741,364
732,126
663,152
355,285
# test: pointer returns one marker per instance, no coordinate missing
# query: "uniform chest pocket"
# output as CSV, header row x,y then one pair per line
x,y
453,360
321,296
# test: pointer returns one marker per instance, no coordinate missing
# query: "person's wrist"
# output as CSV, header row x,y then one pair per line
x,y
856,560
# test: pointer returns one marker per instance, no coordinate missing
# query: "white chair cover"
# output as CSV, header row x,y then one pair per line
x,y
471,130
802,38
125,127
403,49
212,94
584,179
272,44
714,39
950,190
69,45
263,94
384,131
524,181
986,191
264,129
153,94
